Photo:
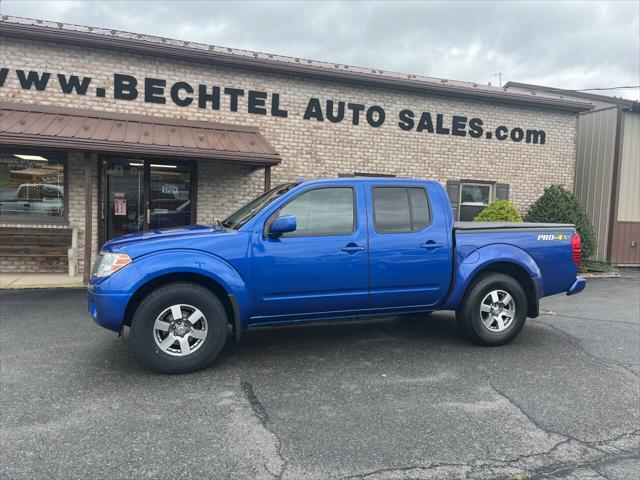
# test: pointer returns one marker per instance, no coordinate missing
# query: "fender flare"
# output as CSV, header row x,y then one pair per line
x,y
162,263
483,259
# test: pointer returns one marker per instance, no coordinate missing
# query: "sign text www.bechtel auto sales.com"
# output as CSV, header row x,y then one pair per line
x,y
183,94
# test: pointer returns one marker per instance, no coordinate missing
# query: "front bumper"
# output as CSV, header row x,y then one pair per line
x,y
107,310
577,286
108,297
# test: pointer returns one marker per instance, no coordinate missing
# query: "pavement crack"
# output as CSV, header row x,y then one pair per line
x,y
263,417
600,473
596,446
409,468
519,458
503,469
535,422
549,313
568,468
577,343
256,404
607,441
596,450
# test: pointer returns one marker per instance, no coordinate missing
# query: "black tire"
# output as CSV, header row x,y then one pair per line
x,y
142,328
469,317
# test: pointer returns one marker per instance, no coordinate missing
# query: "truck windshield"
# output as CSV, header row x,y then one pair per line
x,y
241,216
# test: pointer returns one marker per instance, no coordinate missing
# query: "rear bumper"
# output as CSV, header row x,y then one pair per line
x,y
577,286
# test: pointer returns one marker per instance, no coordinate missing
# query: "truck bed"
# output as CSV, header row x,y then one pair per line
x,y
545,247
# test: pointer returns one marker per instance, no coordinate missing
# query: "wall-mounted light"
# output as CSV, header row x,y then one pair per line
x,y
164,166
136,164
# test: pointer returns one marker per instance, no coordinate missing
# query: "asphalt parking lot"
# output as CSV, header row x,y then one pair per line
x,y
395,398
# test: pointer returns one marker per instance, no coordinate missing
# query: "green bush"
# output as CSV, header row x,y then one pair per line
x,y
499,211
559,205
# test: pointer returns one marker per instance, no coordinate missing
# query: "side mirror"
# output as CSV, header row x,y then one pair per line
x,y
282,225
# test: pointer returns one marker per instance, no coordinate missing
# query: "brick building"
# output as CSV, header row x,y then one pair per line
x,y
106,132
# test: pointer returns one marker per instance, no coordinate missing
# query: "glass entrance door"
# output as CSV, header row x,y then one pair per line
x,y
125,203
144,195
170,196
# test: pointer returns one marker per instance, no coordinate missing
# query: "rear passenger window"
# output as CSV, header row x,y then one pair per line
x,y
391,210
400,210
420,214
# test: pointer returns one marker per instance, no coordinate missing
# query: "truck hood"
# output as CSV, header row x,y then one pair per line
x,y
150,239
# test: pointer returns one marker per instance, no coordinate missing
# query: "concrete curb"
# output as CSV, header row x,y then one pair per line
x,y
19,281
614,274
42,287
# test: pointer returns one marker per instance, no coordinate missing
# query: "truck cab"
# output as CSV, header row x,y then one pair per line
x,y
343,255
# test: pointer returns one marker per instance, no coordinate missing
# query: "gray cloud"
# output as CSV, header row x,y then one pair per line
x,y
572,45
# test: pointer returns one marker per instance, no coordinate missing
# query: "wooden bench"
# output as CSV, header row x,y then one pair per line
x,y
41,242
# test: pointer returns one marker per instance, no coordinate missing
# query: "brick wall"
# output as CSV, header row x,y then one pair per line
x,y
78,167
309,148
223,187
33,264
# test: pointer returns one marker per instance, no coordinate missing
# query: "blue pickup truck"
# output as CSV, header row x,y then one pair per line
x,y
326,249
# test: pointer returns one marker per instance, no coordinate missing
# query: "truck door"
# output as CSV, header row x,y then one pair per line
x,y
321,267
409,246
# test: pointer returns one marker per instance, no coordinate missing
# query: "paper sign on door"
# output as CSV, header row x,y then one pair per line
x,y
119,206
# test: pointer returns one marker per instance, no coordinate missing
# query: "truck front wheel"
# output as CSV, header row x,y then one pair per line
x,y
494,310
178,328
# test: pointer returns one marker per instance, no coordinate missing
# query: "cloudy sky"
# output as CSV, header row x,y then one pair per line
x,y
574,45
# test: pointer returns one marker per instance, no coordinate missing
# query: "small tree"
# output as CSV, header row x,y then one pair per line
x,y
559,205
499,211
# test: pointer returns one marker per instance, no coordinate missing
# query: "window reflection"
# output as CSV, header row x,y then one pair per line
x,y
474,197
170,196
31,184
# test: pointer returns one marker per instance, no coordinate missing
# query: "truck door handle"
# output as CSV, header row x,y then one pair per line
x,y
352,248
431,245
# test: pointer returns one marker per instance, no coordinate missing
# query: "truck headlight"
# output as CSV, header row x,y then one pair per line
x,y
108,263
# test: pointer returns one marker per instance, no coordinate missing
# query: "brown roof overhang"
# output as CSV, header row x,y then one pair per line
x,y
92,130
186,51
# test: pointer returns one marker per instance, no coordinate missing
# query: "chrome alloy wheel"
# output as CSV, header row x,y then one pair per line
x,y
180,330
497,310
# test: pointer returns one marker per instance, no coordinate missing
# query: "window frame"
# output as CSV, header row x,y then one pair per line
x,y
406,188
63,219
276,214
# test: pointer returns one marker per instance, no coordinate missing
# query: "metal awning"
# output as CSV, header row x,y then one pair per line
x,y
92,130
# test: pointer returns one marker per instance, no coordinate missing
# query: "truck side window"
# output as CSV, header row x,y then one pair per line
x,y
322,212
420,213
400,210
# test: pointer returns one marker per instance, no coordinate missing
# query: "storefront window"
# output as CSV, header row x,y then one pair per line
x,y
31,185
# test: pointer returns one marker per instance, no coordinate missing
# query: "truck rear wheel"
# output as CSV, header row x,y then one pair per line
x,y
494,310
179,328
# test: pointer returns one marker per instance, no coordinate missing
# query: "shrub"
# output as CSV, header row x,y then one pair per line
x,y
559,205
499,211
